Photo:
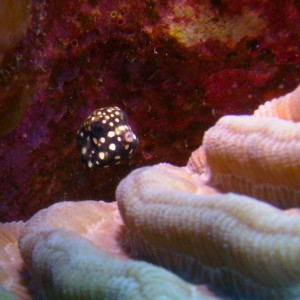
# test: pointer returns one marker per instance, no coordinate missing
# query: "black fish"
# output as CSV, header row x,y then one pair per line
x,y
105,138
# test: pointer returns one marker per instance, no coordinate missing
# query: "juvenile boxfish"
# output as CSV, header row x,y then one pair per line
x,y
105,138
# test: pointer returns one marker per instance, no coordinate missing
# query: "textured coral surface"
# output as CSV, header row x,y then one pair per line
x,y
173,66
235,246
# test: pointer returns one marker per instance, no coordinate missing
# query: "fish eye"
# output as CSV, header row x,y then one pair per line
x,y
129,136
97,129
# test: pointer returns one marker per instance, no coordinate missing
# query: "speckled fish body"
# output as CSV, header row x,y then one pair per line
x,y
105,138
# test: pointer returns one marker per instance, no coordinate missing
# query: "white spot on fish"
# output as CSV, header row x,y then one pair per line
x,y
112,147
129,137
111,134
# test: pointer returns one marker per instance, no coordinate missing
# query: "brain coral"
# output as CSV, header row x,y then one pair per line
x,y
226,245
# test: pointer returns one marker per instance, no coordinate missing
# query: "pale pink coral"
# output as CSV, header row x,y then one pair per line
x,y
72,251
228,239
255,155
11,264
286,107
180,218
259,157
242,245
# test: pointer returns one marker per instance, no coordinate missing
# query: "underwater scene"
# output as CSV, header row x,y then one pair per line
x,y
150,149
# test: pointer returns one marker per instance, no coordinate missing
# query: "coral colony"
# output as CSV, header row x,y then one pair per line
x,y
167,221
220,226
